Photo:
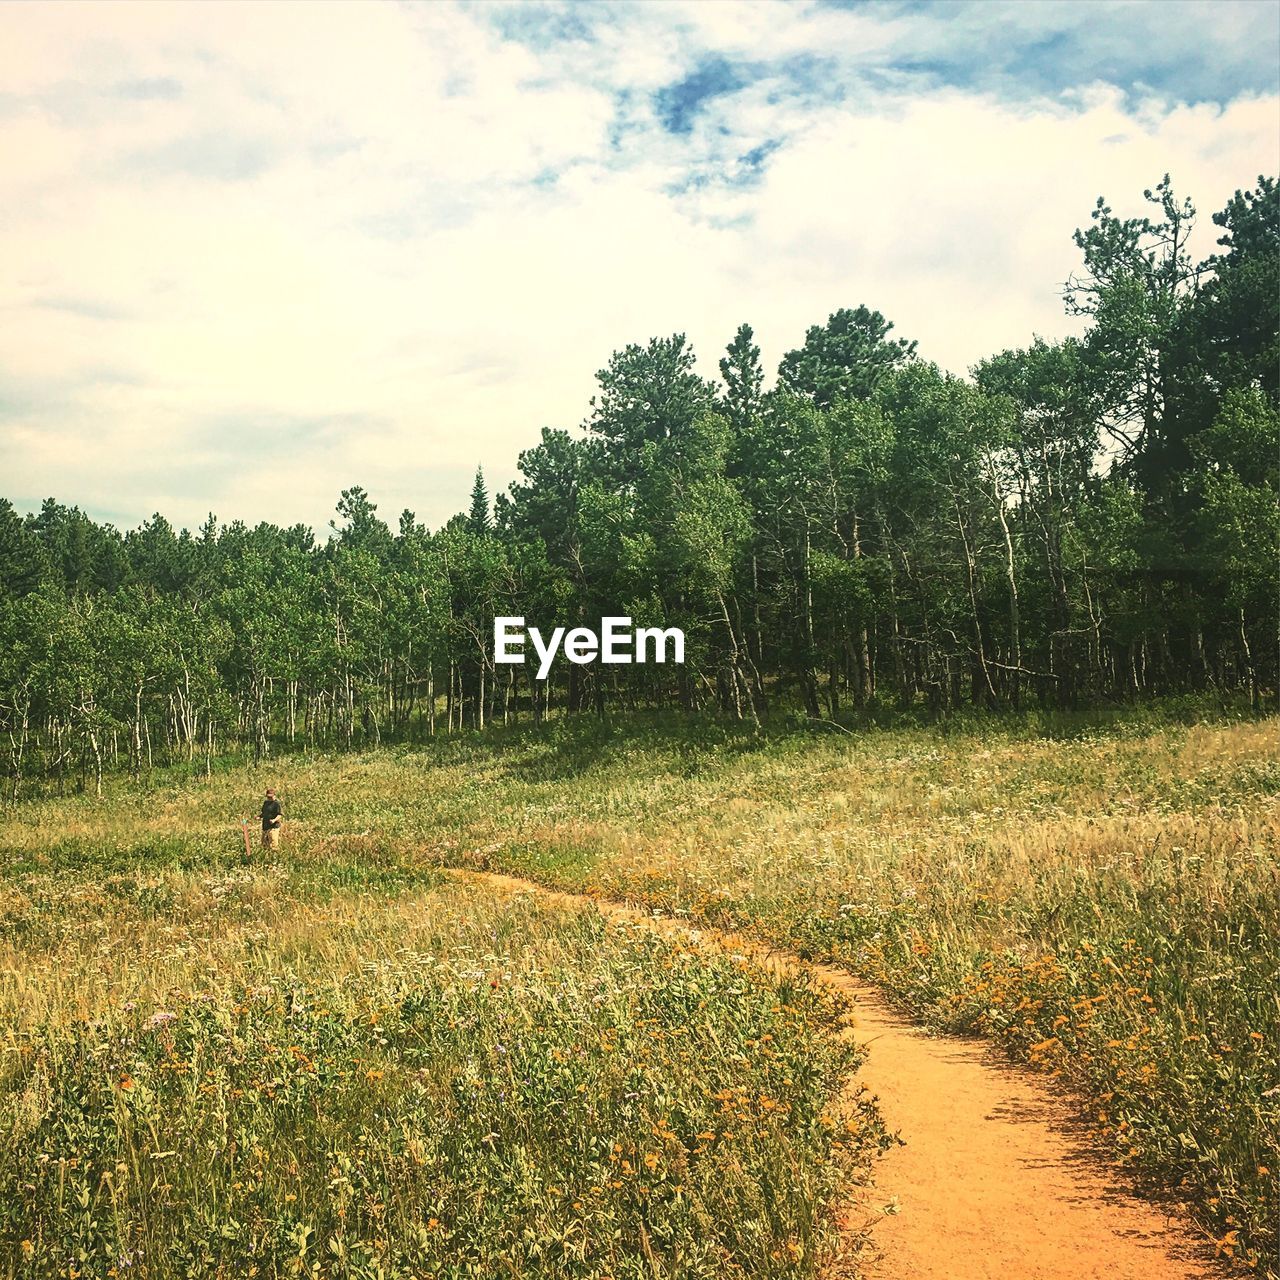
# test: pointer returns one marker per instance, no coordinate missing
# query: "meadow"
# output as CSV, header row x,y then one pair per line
x,y
1099,898
344,1065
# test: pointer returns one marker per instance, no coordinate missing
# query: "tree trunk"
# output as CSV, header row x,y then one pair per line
x,y
970,566
1011,576
1250,673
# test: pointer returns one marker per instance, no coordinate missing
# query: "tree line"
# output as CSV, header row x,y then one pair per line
x,y
1075,521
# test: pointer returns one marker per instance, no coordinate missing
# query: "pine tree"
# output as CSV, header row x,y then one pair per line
x,y
478,517
845,359
743,378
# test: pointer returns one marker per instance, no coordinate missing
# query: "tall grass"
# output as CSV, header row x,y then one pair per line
x,y
320,1068
1102,900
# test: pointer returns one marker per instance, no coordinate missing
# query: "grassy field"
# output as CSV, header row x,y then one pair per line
x,y
342,1066
1102,902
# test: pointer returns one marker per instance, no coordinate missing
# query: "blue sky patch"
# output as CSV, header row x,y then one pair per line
x,y
679,104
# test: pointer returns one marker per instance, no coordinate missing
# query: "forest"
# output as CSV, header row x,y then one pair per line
x,y
1074,522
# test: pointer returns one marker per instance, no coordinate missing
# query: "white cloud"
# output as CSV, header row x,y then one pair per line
x,y
255,257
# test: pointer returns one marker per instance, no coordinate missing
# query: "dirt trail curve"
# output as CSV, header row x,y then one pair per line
x,y
990,1184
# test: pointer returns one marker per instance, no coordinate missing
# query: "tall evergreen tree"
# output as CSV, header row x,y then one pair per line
x,y
845,359
743,379
478,520
648,395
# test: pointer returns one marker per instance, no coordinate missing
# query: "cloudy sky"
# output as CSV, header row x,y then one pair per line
x,y
253,254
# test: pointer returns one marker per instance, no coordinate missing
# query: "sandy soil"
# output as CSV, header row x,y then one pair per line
x,y
994,1180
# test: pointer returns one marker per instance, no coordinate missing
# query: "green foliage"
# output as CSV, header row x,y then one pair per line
x,y
845,359
743,378
478,517
1239,329
374,1081
1078,523
648,395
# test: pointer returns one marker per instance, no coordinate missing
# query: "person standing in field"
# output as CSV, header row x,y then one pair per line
x,y
271,821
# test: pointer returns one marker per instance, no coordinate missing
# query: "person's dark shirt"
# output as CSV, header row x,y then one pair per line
x,y
270,812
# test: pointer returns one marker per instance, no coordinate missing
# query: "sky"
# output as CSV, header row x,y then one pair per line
x,y
253,254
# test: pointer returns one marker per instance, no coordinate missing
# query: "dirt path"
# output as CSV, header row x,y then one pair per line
x,y
990,1183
